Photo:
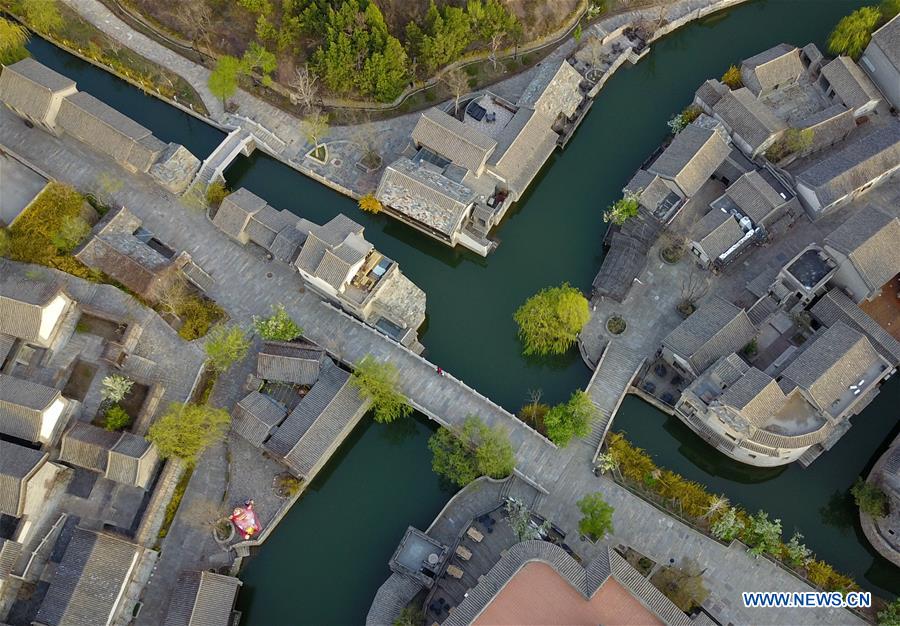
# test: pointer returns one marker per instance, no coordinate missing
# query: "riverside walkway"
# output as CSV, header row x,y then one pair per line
x,y
246,284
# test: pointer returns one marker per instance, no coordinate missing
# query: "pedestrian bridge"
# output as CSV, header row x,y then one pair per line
x,y
238,141
617,368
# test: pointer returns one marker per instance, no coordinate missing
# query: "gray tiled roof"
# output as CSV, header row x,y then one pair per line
x,y
89,580
714,330
28,87
727,369
10,551
102,127
424,195
833,361
297,363
755,395
287,243
332,263
829,125
725,232
17,464
747,117
777,66
887,38
265,224
691,158
524,145
606,564
235,212
85,445
554,90
256,416
710,92
856,163
850,84
452,139
202,599
871,239
22,403
835,306
132,461
315,425
754,196
20,304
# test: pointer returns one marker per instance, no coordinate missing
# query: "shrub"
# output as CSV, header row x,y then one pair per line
x,y
116,418
115,387
763,535
549,321
533,414
378,381
869,498
198,315
751,348
616,325
732,77
794,140
370,204
215,193
622,209
728,526
681,120
570,419
890,614
277,327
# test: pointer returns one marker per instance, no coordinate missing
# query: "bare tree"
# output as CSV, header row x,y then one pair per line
x,y
694,287
363,133
457,82
202,514
197,16
315,128
174,293
306,90
496,41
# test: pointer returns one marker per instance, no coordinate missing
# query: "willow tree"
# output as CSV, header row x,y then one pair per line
x,y
550,320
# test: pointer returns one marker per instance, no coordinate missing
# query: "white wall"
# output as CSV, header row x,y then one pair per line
x,y
50,316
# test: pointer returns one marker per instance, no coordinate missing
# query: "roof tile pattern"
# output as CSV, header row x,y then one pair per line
x,y
28,87
692,157
871,240
22,404
17,465
445,135
203,599
716,329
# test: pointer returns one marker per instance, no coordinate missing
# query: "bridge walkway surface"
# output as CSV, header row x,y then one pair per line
x,y
607,388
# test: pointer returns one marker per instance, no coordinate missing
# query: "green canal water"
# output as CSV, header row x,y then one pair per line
x,y
329,555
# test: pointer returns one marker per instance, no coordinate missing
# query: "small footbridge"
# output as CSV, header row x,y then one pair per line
x,y
238,141
617,368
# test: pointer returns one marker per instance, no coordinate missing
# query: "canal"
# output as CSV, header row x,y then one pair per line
x,y
329,555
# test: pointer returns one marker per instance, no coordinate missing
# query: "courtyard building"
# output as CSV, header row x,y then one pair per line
x,y
464,168
204,599
31,411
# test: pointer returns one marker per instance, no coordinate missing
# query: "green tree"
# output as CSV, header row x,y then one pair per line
x,y
853,32
476,451
385,73
223,80
72,230
225,345
682,585
570,419
550,320
277,327
257,58
186,430
4,241
732,77
622,209
596,520
114,387
763,535
42,15
869,498
410,616
890,614
378,381
13,37
116,418
447,33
